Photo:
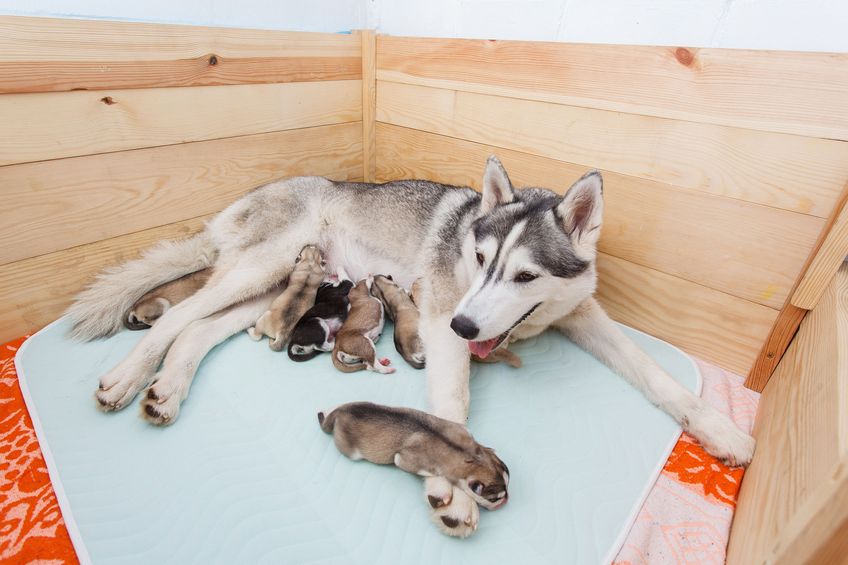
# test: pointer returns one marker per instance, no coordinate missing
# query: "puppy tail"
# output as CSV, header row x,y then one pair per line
x,y
327,422
100,309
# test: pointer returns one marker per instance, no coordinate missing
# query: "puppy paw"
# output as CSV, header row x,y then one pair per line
x,y
452,511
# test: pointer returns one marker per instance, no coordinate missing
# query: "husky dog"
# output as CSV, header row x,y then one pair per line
x,y
503,264
152,305
316,330
298,297
421,444
403,312
354,349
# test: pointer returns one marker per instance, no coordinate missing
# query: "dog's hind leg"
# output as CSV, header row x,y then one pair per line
x,y
590,328
161,405
250,275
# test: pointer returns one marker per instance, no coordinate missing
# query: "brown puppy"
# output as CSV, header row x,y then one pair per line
x,y
421,444
354,349
402,311
298,297
152,305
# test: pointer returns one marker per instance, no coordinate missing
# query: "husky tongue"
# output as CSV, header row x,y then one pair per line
x,y
482,348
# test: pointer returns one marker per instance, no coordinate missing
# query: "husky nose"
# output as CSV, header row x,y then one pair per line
x,y
464,327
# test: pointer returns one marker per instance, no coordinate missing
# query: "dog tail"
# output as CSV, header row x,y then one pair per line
x,y
99,310
327,422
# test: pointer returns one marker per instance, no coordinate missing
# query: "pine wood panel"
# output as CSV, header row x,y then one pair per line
x,y
781,334
709,324
799,93
36,291
369,104
53,205
53,125
46,55
750,251
792,505
784,171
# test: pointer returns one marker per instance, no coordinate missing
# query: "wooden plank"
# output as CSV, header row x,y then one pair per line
x,y
54,205
784,171
53,125
792,501
781,334
750,251
36,291
369,104
798,93
828,257
711,325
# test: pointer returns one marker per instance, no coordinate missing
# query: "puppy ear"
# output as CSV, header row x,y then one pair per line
x,y
497,189
581,211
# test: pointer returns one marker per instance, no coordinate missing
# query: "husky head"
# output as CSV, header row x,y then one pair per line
x,y
526,248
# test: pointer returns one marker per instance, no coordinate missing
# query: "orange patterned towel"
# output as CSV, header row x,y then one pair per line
x,y
685,519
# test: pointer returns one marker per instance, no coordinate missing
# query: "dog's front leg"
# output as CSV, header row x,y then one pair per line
x,y
590,328
448,366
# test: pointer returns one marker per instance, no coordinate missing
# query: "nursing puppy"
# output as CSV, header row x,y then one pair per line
x,y
299,295
421,444
354,349
316,330
403,312
152,305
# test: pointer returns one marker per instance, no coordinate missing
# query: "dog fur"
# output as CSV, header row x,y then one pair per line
x,y
354,349
316,330
152,305
402,311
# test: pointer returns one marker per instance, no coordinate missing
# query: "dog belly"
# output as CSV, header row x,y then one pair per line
x,y
359,259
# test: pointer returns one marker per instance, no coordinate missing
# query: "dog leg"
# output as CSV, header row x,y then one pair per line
x,y
249,276
448,367
590,328
161,406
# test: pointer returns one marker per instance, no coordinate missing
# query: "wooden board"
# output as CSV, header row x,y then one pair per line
x,y
781,334
798,93
54,205
750,251
792,504
36,291
48,55
369,104
784,171
711,325
53,125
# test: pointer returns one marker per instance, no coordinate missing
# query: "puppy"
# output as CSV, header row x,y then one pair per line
x,y
402,311
299,295
152,305
316,330
354,349
421,444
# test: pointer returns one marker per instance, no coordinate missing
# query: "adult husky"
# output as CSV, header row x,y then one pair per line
x,y
506,264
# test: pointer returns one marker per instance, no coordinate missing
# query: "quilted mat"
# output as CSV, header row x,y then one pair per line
x,y
246,475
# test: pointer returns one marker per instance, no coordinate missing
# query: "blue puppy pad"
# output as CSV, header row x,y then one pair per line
x,y
246,475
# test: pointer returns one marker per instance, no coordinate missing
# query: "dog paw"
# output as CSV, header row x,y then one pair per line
x,y
160,408
452,511
723,439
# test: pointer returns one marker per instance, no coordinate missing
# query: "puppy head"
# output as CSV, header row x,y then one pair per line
x,y
487,479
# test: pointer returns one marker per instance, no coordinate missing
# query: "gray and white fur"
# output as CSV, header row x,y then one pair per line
x,y
502,265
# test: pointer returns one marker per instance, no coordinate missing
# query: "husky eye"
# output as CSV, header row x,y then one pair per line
x,y
480,259
525,277
298,259
323,263
476,487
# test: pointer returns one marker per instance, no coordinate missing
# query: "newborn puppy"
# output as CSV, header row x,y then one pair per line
x,y
299,295
402,311
421,444
354,349
152,305
316,330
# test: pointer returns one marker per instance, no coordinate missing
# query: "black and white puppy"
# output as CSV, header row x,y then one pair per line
x,y
316,330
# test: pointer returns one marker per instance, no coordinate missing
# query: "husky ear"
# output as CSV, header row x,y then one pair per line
x,y
581,211
496,186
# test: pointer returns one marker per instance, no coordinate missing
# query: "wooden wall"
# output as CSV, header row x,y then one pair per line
x,y
721,167
115,135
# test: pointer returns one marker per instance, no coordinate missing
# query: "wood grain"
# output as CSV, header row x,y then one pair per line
x,y
711,325
369,104
750,251
36,291
798,93
53,125
792,504
784,171
54,205
781,334
828,257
